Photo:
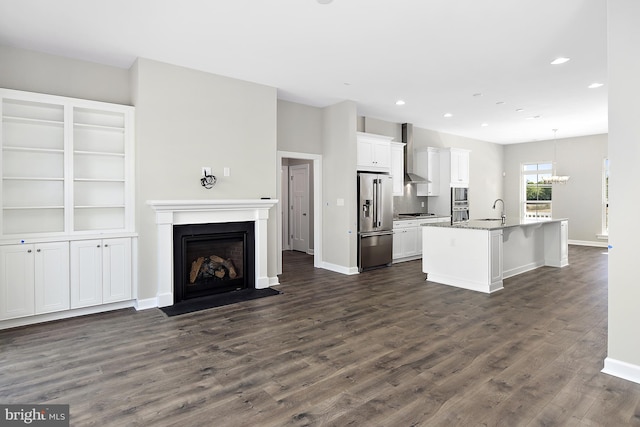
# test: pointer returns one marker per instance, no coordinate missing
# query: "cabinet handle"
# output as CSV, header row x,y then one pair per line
x,y
97,246
105,245
29,251
37,250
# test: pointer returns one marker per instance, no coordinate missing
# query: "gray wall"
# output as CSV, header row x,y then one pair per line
x,y
624,152
186,119
54,75
299,128
580,199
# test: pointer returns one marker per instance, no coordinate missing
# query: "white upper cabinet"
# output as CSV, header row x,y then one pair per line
x,y
454,168
427,165
397,167
373,152
67,165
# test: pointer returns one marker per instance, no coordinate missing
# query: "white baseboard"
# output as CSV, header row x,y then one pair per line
x,y
273,281
620,369
145,304
601,244
339,268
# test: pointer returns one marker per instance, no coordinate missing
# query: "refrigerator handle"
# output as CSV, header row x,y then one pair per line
x,y
375,203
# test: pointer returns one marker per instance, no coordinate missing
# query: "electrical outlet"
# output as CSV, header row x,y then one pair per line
x,y
422,204
227,172
205,171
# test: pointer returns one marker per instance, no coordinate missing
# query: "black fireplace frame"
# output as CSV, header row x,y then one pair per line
x,y
218,230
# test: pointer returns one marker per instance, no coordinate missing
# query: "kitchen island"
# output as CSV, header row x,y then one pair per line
x,y
479,254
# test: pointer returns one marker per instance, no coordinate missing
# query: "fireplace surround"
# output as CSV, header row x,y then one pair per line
x,y
170,213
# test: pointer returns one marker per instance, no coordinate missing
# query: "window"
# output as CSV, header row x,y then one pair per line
x,y
536,190
605,197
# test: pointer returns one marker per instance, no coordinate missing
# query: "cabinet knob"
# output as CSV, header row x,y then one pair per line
x,y
97,246
28,251
105,245
37,250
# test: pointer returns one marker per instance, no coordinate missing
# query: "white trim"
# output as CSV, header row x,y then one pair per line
x,y
602,236
273,281
317,204
620,369
65,314
588,243
339,268
145,304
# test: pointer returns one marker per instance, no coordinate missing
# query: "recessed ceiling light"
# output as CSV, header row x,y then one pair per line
x,y
560,60
400,102
484,125
532,117
477,94
595,85
499,102
447,115
519,110
324,1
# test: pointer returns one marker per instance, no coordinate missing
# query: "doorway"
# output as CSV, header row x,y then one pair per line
x,y
296,230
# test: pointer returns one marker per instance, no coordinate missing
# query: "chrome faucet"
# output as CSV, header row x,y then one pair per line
x,y
502,215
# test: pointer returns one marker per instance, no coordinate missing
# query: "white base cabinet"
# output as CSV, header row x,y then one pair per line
x,y
34,279
407,238
100,271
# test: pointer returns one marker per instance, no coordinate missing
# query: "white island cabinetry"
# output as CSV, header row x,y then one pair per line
x,y
478,255
407,237
67,176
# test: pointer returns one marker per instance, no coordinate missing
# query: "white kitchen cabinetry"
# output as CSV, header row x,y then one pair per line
x,y
373,152
427,165
100,271
455,164
34,279
557,244
405,240
67,173
397,167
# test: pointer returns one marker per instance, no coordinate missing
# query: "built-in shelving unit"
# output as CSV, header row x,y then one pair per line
x,y
67,178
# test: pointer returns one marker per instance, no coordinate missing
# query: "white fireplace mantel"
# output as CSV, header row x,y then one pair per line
x,y
183,212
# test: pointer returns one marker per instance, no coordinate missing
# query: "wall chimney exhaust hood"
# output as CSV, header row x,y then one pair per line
x,y
407,138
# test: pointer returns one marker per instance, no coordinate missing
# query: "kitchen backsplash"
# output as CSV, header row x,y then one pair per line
x,y
409,202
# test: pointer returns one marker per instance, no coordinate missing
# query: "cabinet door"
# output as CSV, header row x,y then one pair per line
x,y
397,168
433,173
382,154
421,166
365,154
86,273
16,281
398,245
459,168
411,241
51,277
116,270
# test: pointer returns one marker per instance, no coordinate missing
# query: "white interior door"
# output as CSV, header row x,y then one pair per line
x,y
299,207
284,172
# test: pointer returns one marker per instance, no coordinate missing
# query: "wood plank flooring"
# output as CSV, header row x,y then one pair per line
x,y
383,348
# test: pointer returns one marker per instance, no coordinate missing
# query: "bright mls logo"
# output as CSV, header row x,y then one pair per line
x,y
34,415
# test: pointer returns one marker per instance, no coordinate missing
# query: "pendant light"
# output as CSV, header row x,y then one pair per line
x,y
556,179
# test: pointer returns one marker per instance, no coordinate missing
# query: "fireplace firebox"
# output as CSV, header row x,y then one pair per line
x,y
211,259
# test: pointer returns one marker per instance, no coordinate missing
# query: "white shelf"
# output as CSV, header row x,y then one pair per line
x,y
13,208
99,153
27,120
32,149
31,178
99,127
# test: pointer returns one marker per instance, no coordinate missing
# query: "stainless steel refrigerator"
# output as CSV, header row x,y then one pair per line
x,y
375,220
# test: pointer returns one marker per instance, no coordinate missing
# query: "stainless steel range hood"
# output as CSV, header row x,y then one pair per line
x,y
409,176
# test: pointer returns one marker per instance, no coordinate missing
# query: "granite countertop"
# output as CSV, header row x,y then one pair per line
x,y
493,224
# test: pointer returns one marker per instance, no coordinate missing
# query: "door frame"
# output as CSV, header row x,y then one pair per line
x,y
317,204
292,218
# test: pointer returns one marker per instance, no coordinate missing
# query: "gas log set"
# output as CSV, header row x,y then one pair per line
x,y
212,267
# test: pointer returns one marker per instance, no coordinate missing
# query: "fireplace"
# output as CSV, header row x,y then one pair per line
x,y
173,213
212,259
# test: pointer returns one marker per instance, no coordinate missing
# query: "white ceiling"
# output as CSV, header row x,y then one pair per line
x,y
433,54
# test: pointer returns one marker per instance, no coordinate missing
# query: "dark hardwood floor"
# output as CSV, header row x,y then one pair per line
x,y
383,348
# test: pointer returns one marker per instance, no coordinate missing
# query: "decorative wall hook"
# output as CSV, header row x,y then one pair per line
x,y
208,181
